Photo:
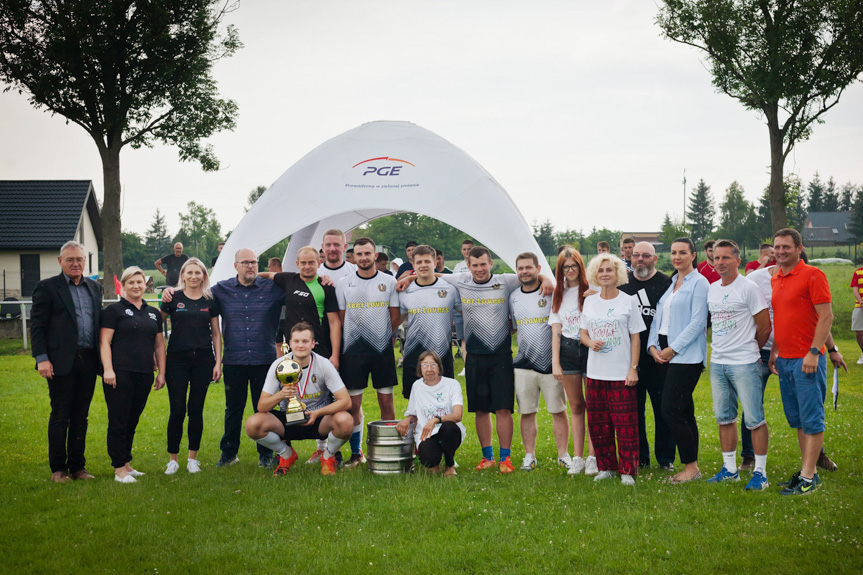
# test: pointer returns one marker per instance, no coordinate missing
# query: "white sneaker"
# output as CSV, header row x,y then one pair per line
x,y
193,466
136,473
461,373
590,467
127,479
627,479
577,465
565,461
604,475
172,467
860,361
528,463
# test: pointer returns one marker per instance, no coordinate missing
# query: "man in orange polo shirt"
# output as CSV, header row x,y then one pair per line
x,y
802,316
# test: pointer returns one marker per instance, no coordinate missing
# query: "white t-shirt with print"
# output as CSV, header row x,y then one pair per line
x,y
761,278
731,310
612,321
428,402
568,316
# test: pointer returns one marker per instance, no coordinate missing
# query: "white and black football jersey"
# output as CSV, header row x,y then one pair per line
x,y
367,303
529,312
430,312
485,308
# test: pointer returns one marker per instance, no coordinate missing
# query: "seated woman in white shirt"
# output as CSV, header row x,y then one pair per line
x,y
435,410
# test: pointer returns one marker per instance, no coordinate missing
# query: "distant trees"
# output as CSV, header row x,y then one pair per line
x,y
701,212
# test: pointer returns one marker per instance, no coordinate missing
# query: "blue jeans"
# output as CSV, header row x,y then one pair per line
x,y
732,382
745,435
239,379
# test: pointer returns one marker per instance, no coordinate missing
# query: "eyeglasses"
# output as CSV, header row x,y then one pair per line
x,y
248,263
642,256
570,268
428,365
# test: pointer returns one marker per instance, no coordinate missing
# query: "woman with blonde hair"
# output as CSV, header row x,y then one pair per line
x,y
131,336
610,327
194,359
568,355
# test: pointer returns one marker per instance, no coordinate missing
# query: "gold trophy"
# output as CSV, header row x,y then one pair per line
x,y
288,373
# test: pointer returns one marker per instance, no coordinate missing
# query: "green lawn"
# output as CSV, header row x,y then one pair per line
x,y
241,519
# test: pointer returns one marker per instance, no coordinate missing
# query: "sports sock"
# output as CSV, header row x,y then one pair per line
x,y
272,441
488,453
504,453
321,444
333,444
761,463
729,461
356,439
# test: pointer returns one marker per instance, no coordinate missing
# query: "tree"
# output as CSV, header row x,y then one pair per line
x,y
396,230
254,195
857,217
847,197
135,251
816,194
831,197
572,237
671,230
157,240
129,73
200,232
788,59
598,235
737,219
544,236
701,212
795,201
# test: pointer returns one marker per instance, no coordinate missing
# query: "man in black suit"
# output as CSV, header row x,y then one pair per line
x,y
64,330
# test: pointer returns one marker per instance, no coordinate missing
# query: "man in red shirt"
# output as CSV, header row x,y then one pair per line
x,y
706,268
802,316
857,314
765,260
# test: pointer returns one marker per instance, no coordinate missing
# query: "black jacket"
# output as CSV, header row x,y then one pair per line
x,y
54,325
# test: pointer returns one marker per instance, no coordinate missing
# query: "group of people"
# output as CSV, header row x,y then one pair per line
x,y
601,337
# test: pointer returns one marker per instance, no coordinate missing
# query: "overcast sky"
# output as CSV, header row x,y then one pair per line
x,y
578,109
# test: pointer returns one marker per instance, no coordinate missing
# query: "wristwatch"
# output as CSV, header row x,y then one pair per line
x,y
814,351
635,367
832,349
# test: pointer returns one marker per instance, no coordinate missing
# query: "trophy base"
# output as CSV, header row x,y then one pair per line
x,y
295,417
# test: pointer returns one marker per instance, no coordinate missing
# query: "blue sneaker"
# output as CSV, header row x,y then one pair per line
x,y
724,475
758,482
802,487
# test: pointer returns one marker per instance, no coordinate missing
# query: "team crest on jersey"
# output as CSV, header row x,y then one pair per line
x,y
152,316
181,305
314,378
129,313
495,286
542,303
382,287
441,293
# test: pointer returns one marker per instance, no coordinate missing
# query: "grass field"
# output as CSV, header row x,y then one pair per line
x,y
242,520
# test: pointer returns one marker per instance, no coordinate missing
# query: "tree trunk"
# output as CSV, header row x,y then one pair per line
x,y
112,247
778,216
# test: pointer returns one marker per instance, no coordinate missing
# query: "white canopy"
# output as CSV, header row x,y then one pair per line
x,y
378,169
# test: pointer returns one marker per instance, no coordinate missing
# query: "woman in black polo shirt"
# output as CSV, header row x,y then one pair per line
x,y
131,335
194,359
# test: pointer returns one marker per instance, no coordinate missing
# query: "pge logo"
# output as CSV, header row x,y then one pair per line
x,y
385,170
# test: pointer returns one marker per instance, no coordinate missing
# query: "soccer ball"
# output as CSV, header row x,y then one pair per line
x,y
288,372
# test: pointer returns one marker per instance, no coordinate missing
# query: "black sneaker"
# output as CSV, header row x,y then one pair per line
x,y
265,461
802,486
226,460
340,461
793,481
644,465
666,466
825,463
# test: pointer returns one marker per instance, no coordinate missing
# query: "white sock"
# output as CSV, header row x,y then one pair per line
x,y
362,427
333,444
761,463
321,443
274,442
729,460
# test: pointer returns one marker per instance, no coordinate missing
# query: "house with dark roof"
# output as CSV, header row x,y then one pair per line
x,y
36,218
827,229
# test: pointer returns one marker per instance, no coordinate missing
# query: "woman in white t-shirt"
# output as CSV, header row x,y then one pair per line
x,y
568,354
610,327
435,410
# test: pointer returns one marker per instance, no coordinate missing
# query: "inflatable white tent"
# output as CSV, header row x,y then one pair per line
x,y
377,169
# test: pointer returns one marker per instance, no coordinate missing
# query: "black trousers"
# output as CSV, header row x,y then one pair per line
x,y
443,443
126,403
651,378
239,379
71,395
678,409
187,371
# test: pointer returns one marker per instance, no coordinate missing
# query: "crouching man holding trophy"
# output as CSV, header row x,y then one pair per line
x,y
312,403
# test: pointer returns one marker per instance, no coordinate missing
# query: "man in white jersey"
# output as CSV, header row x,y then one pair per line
x,y
334,265
741,325
326,399
428,305
462,266
369,310
529,310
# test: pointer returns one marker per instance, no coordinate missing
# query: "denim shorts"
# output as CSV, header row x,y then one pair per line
x,y
732,382
573,356
803,394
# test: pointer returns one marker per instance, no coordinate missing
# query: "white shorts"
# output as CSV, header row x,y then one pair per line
x,y
857,319
529,384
